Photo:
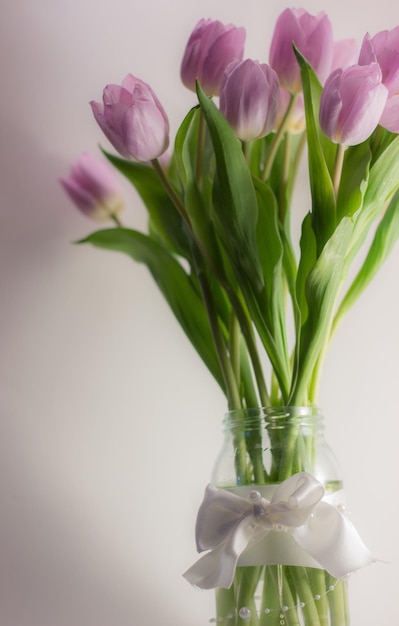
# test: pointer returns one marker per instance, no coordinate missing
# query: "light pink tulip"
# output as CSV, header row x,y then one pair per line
x,y
312,35
296,122
351,103
384,48
345,54
249,98
212,46
133,119
93,188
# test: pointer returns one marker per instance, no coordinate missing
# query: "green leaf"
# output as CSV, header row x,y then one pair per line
x,y
187,139
354,179
382,184
271,253
307,262
384,175
321,290
380,141
235,205
165,220
321,187
185,145
385,238
172,281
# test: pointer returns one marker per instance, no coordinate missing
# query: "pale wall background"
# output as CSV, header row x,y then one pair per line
x,y
109,423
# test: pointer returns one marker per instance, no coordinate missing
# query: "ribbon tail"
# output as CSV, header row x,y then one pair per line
x,y
217,567
214,569
333,541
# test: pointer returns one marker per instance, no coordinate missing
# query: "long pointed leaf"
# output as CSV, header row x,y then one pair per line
x,y
323,197
322,287
385,238
354,179
382,184
235,204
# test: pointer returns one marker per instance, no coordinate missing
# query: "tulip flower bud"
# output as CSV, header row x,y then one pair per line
x,y
93,188
344,54
312,35
296,122
133,119
351,103
212,46
384,49
249,98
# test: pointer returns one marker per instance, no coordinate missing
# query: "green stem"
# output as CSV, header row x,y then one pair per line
x,y
296,162
172,193
317,578
338,604
225,603
247,581
285,173
288,453
241,316
339,161
247,378
275,142
234,347
232,391
305,594
116,220
247,331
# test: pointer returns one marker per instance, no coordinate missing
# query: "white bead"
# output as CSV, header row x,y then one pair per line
x,y
254,496
317,596
245,613
267,611
285,607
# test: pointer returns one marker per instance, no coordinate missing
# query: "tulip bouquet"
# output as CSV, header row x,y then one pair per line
x,y
260,311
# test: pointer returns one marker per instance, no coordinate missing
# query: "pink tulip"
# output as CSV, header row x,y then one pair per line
x,y
249,98
296,122
384,48
212,46
351,103
133,119
312,35
93,188
344,54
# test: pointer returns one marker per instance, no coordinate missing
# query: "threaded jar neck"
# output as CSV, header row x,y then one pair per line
x,y
274,418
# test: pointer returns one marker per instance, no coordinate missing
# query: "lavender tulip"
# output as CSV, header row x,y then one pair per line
x,y
384,49
93,188
351,103
249,98
133,119
296,122
212,46
312,35
345,53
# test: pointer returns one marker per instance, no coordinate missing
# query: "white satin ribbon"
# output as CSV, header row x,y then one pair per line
x,y
229,525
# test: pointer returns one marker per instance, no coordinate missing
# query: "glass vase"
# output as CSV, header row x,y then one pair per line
x,y
274,585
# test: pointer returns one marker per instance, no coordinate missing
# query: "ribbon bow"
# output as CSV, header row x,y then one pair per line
x,y
230,526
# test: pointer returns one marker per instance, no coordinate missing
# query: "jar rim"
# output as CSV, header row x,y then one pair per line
x,y
278,411
273,417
